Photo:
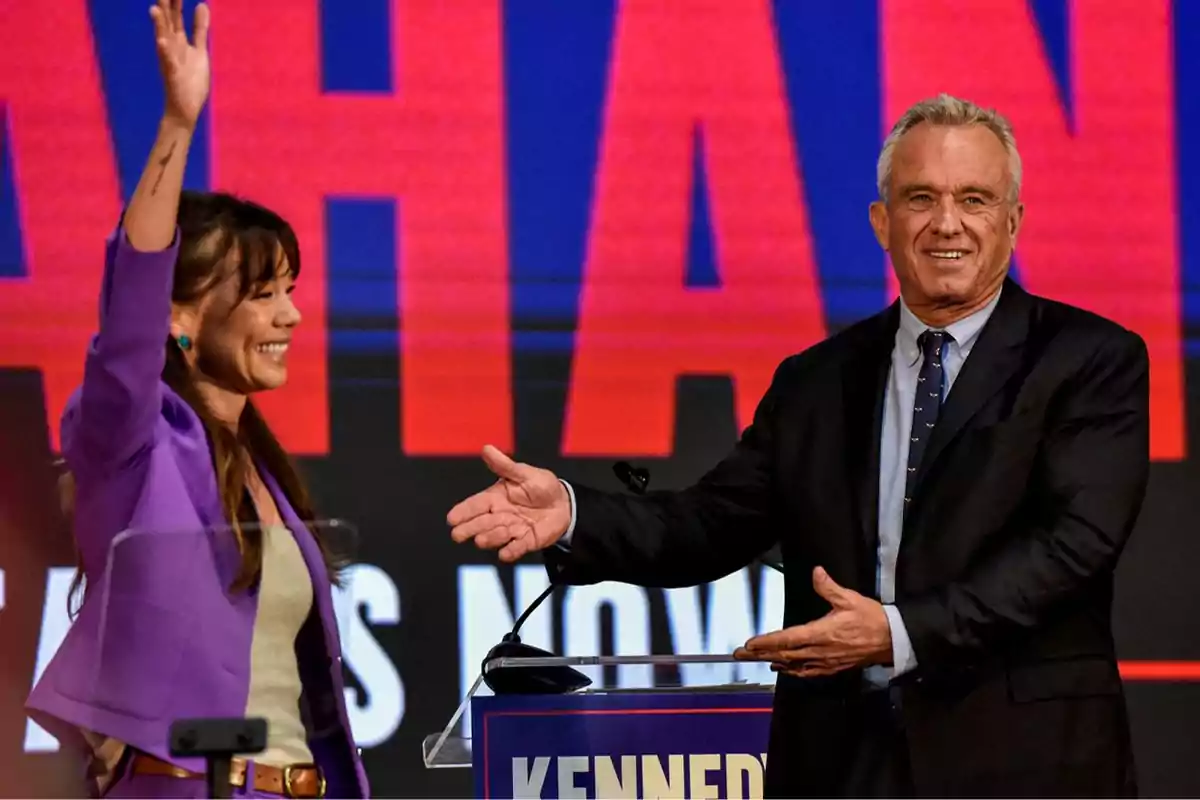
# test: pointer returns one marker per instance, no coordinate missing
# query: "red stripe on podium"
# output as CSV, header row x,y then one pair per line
x,y
1180,671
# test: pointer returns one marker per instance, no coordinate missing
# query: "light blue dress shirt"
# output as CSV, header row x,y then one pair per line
x,y
893,458
893,461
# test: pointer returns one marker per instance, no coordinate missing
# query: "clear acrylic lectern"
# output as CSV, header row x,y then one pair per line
x,y
451,747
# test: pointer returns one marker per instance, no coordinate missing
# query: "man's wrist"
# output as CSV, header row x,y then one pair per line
x,y
884,632
564,541
902,657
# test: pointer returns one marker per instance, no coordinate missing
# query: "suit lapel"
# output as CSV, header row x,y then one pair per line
x,y
864,380
993,360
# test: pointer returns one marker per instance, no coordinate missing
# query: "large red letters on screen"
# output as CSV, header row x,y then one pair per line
x,y
66,189
436,144
1100,226
714,68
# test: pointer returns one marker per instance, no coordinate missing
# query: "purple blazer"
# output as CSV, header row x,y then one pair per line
x,y
176,643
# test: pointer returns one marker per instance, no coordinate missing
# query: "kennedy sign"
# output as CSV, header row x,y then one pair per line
x,y
668,743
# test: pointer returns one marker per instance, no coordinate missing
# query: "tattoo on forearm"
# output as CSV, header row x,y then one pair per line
x,y
162,163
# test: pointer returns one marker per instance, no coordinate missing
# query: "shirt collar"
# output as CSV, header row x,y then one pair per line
x,y
965,331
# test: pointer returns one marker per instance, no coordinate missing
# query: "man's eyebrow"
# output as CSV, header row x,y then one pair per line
x,y
973,189
914,188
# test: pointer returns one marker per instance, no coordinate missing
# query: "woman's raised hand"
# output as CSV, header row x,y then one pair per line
x,y
184,64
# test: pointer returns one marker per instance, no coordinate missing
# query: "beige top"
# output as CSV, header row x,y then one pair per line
x,y
284,602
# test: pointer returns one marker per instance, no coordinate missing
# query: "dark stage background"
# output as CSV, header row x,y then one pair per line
x,y
583,231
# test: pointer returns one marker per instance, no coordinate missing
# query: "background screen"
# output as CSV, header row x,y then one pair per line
x,y
583,231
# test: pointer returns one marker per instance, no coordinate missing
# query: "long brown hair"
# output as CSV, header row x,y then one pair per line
x,y
220,234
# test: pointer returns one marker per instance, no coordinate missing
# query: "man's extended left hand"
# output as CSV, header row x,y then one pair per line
x,y
854,633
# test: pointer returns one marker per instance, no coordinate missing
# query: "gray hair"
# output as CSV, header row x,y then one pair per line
x,y
948,110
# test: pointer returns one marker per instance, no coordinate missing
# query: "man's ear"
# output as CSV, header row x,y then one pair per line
x,y
1015,217
880,222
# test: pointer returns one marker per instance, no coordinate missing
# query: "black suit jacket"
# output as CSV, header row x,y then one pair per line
x,y
1028,491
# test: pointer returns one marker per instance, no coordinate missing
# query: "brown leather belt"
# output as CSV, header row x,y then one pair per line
x,y
294,780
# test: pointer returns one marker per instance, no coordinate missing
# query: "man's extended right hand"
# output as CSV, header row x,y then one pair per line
x,y
526,509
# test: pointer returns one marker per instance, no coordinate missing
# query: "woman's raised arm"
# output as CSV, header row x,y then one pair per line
x,y
120,400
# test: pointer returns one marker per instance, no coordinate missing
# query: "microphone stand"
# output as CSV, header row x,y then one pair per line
x,y
512,636
529,680
217,740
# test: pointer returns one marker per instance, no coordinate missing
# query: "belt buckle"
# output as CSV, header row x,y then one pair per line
x,y
287,778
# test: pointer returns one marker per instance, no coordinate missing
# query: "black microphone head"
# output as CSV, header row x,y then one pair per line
x,y
529,680
636,479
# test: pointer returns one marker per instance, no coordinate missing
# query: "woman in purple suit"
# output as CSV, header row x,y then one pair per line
x,y
195,315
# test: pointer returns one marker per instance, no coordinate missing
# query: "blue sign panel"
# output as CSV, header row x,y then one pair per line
x,y
640,744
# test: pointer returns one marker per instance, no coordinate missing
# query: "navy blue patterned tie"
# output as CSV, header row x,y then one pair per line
x,y
926,404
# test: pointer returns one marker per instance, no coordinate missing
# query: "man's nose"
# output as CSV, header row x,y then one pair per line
x,y
947,220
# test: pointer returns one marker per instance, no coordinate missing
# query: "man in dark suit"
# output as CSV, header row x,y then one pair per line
x,y
951,482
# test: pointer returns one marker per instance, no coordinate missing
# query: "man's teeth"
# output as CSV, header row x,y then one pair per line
x,y
950,254
277,347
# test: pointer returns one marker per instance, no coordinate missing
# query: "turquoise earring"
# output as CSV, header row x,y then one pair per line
x,y
185,341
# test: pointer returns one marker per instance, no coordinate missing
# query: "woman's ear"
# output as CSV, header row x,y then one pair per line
x,y
183,327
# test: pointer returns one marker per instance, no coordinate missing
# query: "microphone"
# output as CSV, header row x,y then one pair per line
x,y
546,680
637,479
529,680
